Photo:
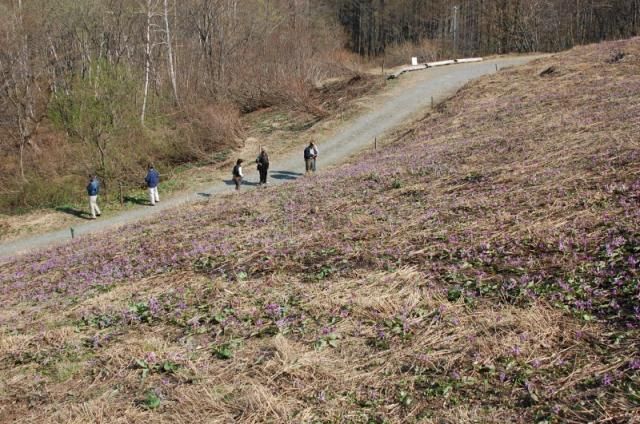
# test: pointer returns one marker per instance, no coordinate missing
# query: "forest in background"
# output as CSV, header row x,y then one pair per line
x,y
106,86
470,27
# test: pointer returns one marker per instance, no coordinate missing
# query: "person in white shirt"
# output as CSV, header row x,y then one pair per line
x,y
314,152
237,173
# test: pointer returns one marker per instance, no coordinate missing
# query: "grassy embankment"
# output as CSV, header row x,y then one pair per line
x,y
278,128
484,268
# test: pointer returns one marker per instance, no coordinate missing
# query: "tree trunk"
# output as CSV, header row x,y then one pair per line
x,y
22,144
147,64
172,71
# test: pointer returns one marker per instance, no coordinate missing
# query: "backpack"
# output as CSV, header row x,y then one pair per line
x,y
262,159
307,153
236,171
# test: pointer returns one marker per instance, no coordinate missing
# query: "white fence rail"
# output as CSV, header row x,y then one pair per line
x,y
433,65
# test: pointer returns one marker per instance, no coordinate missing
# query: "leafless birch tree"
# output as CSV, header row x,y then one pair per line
x,y
172,72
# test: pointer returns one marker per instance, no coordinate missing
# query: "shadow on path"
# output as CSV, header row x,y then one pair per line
x,y
75,212
136,200
244,182
285,175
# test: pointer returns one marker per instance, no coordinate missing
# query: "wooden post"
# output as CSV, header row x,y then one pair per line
x,y
72,232
496,67
375,143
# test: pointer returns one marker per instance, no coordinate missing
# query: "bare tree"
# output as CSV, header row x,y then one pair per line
x,y
172,71
25,83
150,7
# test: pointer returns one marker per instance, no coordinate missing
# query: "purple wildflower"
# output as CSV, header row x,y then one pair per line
x,y
561,245
564,286
273,310
281,323
154,306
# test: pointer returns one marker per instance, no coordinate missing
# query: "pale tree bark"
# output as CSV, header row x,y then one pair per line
x,y
147,61
172,72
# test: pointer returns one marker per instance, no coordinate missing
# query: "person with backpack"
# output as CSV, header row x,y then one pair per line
x,y
263,165
308,158
237,173
93,188
152,179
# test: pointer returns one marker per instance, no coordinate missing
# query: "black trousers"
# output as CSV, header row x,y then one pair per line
x,y
264,169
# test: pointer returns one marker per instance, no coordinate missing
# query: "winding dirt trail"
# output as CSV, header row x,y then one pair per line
x,y
405,100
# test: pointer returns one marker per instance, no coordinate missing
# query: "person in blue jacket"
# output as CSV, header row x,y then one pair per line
x,y
93,188
152,179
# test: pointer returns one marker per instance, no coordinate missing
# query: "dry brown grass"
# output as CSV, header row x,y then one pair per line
x,y
483,270
287,378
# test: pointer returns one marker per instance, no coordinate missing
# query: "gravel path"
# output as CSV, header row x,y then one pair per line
x,y
408,98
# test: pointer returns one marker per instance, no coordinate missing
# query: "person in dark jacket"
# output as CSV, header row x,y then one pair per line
x,y
237,173
152,179
308,159
263,165
93,189
310,156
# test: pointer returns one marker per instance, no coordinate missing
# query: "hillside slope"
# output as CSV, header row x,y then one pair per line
x,y
369,117
483,268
